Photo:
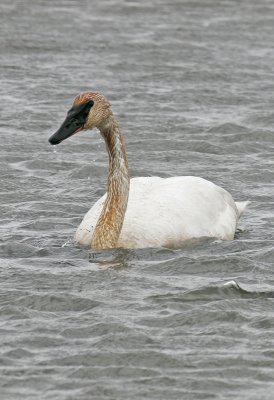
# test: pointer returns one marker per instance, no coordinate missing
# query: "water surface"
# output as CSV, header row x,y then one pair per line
x,y
192,85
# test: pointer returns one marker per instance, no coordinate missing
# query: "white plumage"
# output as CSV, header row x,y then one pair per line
x,y
168,211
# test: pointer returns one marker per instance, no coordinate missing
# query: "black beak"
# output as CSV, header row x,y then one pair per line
x,y
67,129
73,123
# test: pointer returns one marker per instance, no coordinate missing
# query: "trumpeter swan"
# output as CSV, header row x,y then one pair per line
x,y
147,211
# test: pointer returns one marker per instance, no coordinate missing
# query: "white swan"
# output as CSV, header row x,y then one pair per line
x,y
147,211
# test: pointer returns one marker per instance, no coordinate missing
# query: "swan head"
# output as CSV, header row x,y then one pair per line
x,y
89,110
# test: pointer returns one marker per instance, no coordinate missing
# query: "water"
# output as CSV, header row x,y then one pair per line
x,y
192,85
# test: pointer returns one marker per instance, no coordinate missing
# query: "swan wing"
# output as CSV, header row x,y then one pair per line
x,y
166,212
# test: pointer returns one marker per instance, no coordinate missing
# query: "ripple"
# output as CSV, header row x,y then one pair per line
x,y
17,249
54,303
229,289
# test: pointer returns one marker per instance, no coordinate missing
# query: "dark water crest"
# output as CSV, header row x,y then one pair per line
x,y
192,85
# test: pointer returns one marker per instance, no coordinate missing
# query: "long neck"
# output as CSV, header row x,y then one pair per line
x,y
110,222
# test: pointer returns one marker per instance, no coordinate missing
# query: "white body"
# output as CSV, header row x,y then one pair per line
x,y
167,212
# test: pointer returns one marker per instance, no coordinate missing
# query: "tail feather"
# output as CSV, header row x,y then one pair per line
x,y
241,206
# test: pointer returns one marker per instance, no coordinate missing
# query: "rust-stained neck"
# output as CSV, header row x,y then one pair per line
x,y
110,222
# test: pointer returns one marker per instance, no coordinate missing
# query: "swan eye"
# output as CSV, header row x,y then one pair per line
x,y
80,112
85,113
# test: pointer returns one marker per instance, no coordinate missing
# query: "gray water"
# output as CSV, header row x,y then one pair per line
x,y
192,83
